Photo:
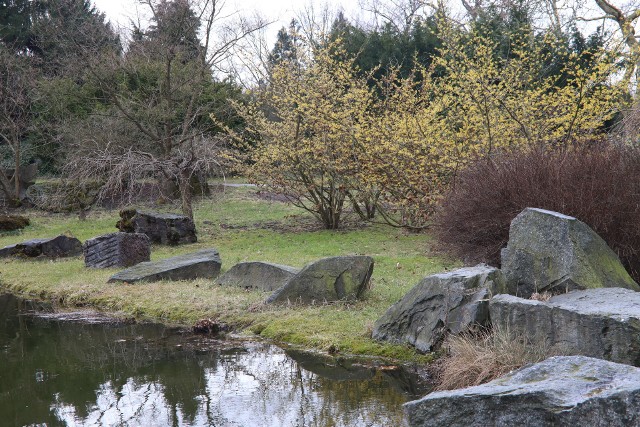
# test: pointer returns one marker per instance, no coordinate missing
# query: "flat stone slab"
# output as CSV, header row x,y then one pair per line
x,y
442,303
204,264
342,278
56,247
166,229
257,275
551,252
117,250
602,323
560,391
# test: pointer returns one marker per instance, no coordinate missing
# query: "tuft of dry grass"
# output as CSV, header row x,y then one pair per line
x,y
475,359
543,297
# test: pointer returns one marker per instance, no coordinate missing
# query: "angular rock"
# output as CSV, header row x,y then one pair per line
x,y
549,251
257,275
203,264
442,303
560,391
602,323
56,247
329,279
166,229
117,250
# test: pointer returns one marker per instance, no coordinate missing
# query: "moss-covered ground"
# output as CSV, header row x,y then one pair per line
x,y
242,225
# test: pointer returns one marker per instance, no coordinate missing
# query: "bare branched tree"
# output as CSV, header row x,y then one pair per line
x,y
164,89
626,22
557,15
17,87
401,14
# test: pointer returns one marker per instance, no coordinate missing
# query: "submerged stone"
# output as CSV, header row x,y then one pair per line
x,y
204,264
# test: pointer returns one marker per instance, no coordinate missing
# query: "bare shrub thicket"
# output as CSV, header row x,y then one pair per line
x,y
481,357
599,184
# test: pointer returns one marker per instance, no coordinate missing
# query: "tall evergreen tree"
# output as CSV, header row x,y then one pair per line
x,y
381,49
287,47
173,30
16,22
68,33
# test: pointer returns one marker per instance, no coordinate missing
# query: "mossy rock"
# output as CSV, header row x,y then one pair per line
x,y
342,278
125,224
551,252
13,222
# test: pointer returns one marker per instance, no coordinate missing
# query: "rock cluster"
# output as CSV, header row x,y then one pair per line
x,y
593,309
547,252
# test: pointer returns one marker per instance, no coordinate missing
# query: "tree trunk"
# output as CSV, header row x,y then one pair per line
x,y
185,194
16,173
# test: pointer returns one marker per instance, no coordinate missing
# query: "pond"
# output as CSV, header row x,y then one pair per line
x,y
83,369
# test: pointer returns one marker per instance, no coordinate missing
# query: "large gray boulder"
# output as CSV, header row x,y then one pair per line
x,y
560,391
602,323
203,264
56,247
166,229
117,250
442,303
257,275
552,252
329,279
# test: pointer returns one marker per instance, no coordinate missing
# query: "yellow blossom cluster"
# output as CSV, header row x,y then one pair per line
x,y
328,138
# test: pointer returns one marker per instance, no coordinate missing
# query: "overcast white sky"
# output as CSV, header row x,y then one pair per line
x,y
244,63
280,11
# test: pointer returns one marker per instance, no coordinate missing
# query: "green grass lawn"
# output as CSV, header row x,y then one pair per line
x,y
242,227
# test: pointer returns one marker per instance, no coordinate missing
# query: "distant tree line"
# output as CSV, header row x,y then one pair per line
x,y
375,116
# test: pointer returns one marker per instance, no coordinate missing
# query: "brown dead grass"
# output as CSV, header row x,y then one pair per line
x,y
543,297
484,356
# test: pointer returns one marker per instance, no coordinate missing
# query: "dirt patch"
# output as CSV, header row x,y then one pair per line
x,y
271,197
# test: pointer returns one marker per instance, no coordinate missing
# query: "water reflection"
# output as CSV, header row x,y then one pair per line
x,y
74,373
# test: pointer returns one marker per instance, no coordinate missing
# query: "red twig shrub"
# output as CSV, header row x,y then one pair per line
x,y
598,184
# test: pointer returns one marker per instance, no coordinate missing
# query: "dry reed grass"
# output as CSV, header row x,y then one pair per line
x,y
475,359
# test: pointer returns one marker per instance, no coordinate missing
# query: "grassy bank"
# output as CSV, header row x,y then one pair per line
x,y
242,226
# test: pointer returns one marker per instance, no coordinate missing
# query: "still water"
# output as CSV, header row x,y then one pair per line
x,y
83,370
